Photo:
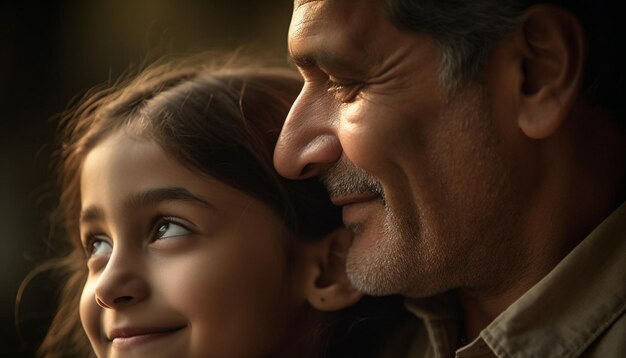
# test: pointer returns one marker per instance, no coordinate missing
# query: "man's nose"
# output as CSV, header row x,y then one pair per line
x,y
121,284
308,141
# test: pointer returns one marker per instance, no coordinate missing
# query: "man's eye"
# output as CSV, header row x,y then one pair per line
x,y
170,228
98,245
344,92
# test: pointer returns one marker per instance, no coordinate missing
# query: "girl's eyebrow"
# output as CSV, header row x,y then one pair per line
x,y
157,195
92,213
147,198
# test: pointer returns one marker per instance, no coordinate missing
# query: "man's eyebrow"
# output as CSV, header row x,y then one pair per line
x,y
148,198
326,61
302,61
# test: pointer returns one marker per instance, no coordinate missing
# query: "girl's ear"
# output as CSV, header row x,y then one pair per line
x,y
327,285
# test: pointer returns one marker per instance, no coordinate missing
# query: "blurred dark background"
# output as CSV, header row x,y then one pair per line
x,y
55,50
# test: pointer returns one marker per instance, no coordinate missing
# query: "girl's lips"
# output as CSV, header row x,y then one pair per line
x,y
127,337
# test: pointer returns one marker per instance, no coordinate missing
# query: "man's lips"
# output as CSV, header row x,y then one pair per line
x,y
352,199
355,208
126,337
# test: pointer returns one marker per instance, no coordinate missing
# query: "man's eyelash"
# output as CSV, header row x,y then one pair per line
x,y
334,85
345,92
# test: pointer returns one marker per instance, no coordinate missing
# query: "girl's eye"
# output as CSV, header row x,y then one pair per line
x,y
99,245
169,228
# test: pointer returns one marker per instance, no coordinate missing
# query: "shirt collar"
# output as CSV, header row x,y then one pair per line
x,y
558,317
565,311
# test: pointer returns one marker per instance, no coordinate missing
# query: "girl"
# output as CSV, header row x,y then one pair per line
x,y
185,241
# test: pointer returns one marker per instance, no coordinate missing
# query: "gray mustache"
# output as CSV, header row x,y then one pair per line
x,y
344,178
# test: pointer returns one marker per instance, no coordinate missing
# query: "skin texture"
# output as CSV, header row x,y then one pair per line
x,y
478,192
211,271
411,195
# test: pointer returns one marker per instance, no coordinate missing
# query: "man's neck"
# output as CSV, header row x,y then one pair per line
x,y
584,174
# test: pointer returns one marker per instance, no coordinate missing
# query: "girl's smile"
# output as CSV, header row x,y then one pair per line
x,y
179,264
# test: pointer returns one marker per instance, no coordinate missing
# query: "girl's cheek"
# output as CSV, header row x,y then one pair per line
x,y
90,313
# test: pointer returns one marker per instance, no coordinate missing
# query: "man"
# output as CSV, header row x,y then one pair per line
x,y
479,152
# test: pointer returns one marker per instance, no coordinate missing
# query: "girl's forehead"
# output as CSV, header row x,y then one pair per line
x,y
122,167
122,156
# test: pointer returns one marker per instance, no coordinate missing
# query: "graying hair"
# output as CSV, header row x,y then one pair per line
x,y
465,31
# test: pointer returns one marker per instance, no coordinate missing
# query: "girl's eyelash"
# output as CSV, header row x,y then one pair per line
x,y
91,237
89,240
160,220
165,219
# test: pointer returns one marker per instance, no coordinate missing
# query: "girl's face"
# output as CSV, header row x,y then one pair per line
x,y
180,265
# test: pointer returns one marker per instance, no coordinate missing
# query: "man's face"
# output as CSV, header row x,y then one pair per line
x,y
421,177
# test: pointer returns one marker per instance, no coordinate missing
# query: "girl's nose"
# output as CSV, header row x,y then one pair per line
x,y
121,284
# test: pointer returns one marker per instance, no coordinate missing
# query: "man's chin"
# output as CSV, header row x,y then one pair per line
x,y
368,265
384,260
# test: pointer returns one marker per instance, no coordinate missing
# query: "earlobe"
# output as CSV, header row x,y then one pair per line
x,y
328,287
553,67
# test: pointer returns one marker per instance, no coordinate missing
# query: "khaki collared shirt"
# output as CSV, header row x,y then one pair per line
x,y
577,310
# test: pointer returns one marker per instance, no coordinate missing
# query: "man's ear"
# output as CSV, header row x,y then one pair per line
x,y
327,285
553,63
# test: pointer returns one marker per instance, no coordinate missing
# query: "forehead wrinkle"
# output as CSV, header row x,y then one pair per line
x,y
298,3
311,43
306,17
